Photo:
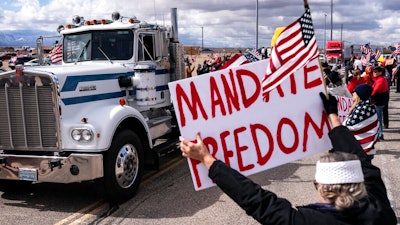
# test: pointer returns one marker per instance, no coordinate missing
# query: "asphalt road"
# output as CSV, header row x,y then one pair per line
x,y
168,197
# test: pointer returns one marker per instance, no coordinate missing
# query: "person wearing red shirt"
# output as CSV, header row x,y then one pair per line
x,y
380,95
355,81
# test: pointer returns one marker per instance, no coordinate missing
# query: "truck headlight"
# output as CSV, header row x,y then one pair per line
x,y
82,134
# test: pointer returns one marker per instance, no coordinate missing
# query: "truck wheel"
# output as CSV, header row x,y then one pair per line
x,y
123,168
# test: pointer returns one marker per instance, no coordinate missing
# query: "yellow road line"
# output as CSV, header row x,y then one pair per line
x,y
80,213
85,218
80,216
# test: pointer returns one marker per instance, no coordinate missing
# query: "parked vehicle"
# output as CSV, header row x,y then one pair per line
x,y
334,52
18,60
101,115
35,62
7,55
207,50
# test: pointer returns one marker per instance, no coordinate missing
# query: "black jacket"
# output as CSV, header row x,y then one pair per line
x,y
267,208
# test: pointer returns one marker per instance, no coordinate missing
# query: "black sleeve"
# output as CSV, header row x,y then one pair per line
x,y
344,141
264,206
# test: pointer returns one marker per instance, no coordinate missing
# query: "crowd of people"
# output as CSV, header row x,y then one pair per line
x,y
215,62
212,63
380,76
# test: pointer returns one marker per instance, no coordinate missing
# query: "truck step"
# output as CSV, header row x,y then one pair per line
x,y
166,146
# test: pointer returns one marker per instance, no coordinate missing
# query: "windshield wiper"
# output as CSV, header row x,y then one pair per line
x,y
84,47
105,55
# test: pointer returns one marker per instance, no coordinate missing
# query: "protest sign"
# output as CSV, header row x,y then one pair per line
x,y
246,132
344,105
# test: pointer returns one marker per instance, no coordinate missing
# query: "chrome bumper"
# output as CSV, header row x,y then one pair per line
x,y
53,169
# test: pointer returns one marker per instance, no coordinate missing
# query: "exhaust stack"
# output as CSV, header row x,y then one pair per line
x,y
174,24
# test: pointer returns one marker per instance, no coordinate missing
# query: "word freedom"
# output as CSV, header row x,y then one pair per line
x,y
261,132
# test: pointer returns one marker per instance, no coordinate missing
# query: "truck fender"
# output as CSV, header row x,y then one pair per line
x,y
106,124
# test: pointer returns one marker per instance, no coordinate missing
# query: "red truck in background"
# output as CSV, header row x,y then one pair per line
x,y
334,52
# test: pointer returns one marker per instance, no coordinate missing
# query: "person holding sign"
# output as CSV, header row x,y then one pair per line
x,y
349,187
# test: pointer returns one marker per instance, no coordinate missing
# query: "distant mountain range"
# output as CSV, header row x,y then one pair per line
x,y
20,38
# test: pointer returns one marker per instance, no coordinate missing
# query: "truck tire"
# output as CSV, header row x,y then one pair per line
x,y
123,168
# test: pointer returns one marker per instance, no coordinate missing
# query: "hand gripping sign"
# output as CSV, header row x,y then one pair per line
x,y
247,133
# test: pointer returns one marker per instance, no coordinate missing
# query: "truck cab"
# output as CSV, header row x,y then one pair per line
x,y
334,52
101,115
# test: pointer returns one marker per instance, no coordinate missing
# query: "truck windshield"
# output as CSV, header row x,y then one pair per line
x,y
333,51
98,45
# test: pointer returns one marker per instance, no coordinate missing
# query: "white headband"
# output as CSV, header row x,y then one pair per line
x,y
342,172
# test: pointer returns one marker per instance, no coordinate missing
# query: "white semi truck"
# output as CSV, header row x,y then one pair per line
x,y
102,115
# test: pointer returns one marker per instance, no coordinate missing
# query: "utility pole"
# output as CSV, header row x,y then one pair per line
x,y
341,32
257,25
325,34
331,18
202,39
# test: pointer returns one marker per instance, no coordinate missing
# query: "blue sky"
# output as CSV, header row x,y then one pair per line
x,y
216,23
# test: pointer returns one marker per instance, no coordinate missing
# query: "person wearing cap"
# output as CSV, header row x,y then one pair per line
x,y
362,119
380,96
349,187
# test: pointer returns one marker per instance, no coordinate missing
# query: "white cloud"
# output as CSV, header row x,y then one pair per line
x,y
224,23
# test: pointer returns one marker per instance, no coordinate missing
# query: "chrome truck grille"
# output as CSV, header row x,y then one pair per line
x,y
28,113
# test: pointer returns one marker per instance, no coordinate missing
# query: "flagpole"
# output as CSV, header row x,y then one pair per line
x,y
305,3
319,62
323,79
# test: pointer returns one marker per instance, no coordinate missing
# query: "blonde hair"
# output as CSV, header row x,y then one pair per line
x,y
342,196
355,103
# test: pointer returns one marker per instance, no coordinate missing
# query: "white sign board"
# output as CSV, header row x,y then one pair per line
x,y
243,130
344,105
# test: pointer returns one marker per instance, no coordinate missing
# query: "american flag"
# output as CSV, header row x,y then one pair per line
x,y
236,60
366,59
396,51
257,53
252,57
294,48
365,49
394,72
56,54
363,123
377,54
